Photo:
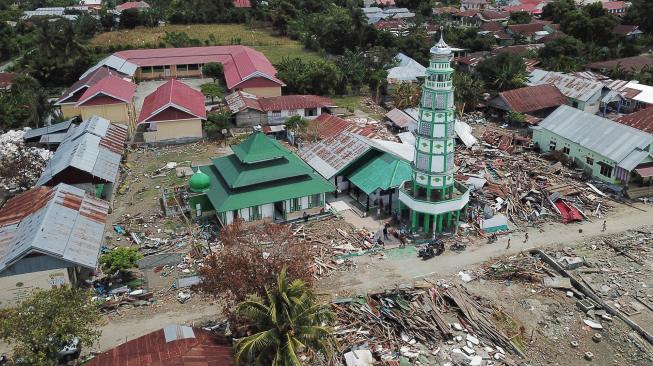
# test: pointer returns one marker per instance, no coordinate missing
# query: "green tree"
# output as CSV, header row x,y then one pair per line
x,y
120,259
8,46
640,13
286,321
319,77
41,325
214,70
25,105
130,18
296,124
406,95
212,90
86,26
563,54
502,72
282,12
469,92
519,17
515,117
217,121
558,9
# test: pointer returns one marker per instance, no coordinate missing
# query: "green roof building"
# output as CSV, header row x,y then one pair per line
x,y
261,180
433,198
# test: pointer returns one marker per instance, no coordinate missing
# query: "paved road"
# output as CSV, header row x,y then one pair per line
x,y
375,274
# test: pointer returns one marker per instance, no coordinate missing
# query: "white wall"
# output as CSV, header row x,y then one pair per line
x,y
13,289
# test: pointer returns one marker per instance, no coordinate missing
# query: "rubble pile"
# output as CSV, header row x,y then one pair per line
x,y
334,241
525,187
428,324
519,267
20,165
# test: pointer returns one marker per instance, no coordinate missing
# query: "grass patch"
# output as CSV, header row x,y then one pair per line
x,y
349,102
261,39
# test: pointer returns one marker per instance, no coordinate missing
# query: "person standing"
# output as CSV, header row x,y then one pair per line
x,y
508,246
605,224
526,237
385,232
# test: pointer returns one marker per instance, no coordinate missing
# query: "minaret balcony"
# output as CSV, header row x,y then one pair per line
x,y
455,201
438,84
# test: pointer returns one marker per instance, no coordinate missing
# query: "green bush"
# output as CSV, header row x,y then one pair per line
x,y
120,259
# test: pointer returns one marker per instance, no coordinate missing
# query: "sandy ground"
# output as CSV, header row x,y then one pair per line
x,y
403,266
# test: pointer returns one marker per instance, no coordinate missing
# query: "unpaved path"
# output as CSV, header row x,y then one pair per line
x,y
373,274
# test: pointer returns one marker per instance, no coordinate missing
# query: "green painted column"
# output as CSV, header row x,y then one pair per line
x,y
440,219
413,225
435,223
457,221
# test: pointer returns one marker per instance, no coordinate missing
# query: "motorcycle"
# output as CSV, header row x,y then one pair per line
x,y
431,250
458,247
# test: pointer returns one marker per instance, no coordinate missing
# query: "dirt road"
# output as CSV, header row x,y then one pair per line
x,y
375,274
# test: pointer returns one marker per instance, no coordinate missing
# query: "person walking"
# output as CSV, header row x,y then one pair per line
x,y
526,237
605,224
508,246
385,232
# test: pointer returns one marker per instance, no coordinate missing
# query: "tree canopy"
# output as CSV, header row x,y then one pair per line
x,y
120,259
502,72
214,70
40,326
285,321
25,104
519,17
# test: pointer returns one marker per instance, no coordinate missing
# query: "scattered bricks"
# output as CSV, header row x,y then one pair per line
x,y
589,356
597,337
574,344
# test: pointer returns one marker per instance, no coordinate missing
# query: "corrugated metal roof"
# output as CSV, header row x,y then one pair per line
x,y
173,345
407,70
641,120
635,63
533,98
64,222
95,147
572,87
611,139
331,155
399,118
57,127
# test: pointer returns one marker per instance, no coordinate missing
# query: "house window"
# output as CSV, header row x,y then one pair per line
x,y
255,213
422,161
193,67
157,68
606,170
182,68
146,70
574,104
311,112
552,145
292,112
295,204
565,150
589,160
276,114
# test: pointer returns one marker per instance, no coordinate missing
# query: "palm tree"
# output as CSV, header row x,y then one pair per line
x,y
469,91
287,321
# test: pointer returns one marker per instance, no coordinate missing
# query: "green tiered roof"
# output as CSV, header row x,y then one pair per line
x,y
384,171
260,171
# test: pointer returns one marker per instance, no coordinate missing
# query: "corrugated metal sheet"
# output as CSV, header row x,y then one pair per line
x,y
64,222
399,118
603,136
95,147
633,159
572,87
331,155
641,120
36,132
533,98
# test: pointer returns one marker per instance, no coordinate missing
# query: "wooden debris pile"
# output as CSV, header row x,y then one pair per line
x,y
333,241
521,267
429,323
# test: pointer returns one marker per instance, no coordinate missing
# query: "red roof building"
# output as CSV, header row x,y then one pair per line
x,y
5,79
251,110
112,98
70,97
395,26
140,5
624,30
641,120
526,30
538,100
173,345
242,4
327,125
244,68
634,64
617,8
174,111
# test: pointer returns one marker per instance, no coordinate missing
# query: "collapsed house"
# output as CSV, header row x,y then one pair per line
x,y
49,237
88,157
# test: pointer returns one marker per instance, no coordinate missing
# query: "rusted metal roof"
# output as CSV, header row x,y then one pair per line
x,y
330,156
328,125
571,86
173,345
399,118
635,63
63,221
95,147
533,98
641,120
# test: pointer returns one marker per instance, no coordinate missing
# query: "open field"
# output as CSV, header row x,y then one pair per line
x,y
275,48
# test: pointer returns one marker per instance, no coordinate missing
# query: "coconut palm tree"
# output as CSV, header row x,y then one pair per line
x,y
287,321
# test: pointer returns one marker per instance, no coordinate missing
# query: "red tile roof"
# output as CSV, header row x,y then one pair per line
x,y
641,120
72,94
635,63
176,95
624,30
242,4
614,5
533,8
468,13
157,349
132,5
552,36
6,78
492,26
390,24
533,98
110,87
241,101
240,63
494,15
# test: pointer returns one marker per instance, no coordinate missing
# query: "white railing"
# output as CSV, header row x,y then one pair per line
x,y
438,84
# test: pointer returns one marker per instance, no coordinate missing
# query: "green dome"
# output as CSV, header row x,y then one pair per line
x,y
199,182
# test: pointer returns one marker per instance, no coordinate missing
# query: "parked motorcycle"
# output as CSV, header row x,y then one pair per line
x,y
431,250
458,247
